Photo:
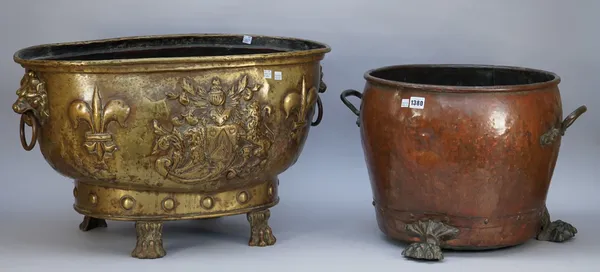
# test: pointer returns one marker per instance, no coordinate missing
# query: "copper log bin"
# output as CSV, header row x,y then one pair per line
x,y
461,156
173,127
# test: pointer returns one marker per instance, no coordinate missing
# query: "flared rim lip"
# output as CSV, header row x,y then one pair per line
x,y
323,48
368,75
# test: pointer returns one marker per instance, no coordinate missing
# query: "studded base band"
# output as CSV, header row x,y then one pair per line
x,y
130,205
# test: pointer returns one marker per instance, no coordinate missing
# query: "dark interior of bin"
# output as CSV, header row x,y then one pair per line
x,y
165,47
462,75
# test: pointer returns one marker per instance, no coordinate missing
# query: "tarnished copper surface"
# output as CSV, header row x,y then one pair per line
x,y
478,157
160,128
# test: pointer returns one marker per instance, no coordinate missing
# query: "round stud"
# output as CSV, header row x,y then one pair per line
x,y
242,197
93,198
127,202
207,202
75,192
168,204
270,190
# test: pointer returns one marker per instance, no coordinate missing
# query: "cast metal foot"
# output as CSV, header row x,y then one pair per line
x,y
431,235
149,240
557,231
260,233
423,251
90,223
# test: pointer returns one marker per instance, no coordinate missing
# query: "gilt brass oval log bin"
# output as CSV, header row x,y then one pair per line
x,y
172,127
461,156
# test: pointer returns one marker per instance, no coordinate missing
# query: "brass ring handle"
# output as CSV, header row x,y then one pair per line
x,y
319,114
343,97
30,120
570,119
322,89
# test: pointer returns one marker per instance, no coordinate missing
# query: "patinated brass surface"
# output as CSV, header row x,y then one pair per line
x,y
160,128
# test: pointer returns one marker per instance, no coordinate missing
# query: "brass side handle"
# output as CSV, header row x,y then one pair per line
x,y
322,89
319,114
32,105
27,118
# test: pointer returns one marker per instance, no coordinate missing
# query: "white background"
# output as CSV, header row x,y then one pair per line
x,y
325,221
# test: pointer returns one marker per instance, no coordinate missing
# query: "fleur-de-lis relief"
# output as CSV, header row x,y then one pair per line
x,y
98,116
299,104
